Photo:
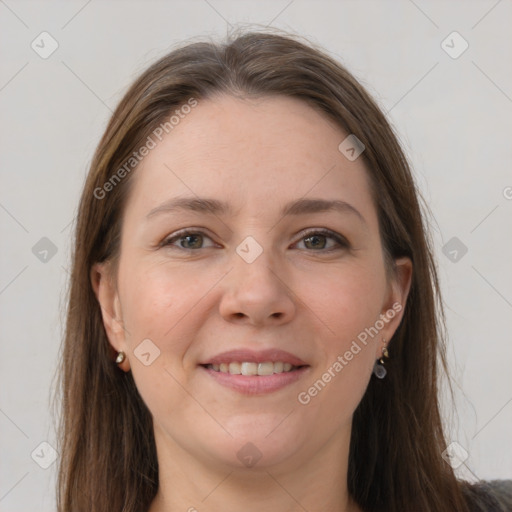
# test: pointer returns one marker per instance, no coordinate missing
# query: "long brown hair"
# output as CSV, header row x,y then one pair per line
x,y
108,456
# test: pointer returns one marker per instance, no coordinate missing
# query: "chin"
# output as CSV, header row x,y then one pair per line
x,y
256,444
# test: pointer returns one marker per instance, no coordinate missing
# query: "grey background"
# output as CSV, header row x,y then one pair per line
x,y
453,116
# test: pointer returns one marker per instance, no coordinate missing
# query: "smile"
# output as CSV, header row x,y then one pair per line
x,y
247,379
254,372
250,368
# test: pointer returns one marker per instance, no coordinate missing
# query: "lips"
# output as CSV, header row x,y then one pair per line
x,y
255,373
249,356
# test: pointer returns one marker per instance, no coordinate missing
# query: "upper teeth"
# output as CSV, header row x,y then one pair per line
x,y
246,368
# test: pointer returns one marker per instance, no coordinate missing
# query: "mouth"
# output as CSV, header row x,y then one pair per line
x,y
248,368
255,373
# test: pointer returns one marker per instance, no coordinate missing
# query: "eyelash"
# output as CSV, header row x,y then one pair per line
x,y
341,241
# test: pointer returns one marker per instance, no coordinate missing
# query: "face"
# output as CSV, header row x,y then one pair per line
x,y
266,274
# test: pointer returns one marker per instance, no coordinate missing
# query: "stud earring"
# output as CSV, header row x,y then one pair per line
x,y
378,369
120,357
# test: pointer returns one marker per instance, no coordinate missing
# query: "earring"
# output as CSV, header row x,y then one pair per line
x,y
378,369
120,357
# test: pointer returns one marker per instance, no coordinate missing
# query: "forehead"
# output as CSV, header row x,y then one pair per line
x,y
253,153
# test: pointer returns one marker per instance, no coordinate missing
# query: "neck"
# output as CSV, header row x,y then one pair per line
x,y
192,485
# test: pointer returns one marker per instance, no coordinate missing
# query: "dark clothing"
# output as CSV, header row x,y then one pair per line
x,y
489,496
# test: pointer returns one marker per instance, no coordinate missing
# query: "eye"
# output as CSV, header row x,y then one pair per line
x,y
188,240
317,240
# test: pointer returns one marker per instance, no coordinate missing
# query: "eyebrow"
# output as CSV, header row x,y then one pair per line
x,y
215,207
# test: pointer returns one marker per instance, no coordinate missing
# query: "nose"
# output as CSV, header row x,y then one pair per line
x,y
257,293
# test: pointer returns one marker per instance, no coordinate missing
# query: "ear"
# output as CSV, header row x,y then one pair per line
x,y
394,305
106,293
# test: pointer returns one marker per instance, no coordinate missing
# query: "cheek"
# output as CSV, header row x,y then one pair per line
x,y
157,306
346,301
156,299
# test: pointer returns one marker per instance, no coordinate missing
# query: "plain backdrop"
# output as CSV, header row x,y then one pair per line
x,y
451,108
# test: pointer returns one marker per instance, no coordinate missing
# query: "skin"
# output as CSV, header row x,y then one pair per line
x,y
296,296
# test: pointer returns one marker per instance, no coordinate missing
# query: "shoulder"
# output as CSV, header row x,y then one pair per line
x,y
488,496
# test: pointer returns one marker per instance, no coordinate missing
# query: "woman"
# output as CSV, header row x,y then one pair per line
x,y
252,312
